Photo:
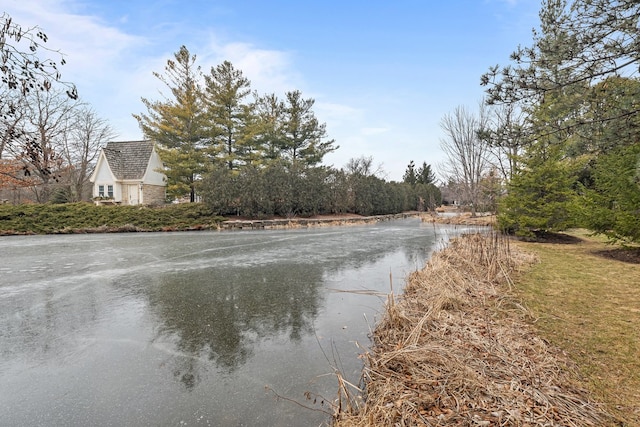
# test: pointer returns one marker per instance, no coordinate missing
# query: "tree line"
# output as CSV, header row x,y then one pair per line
x,y
250,154
284,189
553,145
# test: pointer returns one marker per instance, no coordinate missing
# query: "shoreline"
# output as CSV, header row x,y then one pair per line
x,y
461,218
234,225
456,348
324,221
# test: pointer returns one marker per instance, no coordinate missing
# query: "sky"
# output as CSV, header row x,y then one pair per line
x,y
383,73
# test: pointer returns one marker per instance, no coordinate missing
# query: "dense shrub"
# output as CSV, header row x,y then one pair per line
x,y
287,190
86,217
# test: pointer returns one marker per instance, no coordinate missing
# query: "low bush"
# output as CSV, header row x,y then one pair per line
x,y
86,217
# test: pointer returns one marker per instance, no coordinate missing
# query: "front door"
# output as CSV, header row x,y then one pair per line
x,y
133,194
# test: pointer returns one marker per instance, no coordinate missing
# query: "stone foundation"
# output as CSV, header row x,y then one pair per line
x,y
153,195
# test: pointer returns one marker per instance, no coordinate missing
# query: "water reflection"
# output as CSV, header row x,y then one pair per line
x,y
218,314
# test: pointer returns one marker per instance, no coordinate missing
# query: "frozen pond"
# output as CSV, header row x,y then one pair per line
x,y
193,328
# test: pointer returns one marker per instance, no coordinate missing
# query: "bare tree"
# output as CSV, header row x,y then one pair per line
x,y
36,141
22,68
363,166
26,66
506,135
80,145
10,122
467,153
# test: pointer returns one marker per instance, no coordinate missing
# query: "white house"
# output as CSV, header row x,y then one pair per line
x,y
129,173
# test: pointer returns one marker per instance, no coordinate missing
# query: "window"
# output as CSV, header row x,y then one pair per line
x,y
100,190
110,191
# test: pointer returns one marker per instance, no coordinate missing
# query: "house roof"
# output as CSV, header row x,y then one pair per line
x,y
129,159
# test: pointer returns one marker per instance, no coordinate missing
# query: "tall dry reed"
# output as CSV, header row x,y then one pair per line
x,y
455,349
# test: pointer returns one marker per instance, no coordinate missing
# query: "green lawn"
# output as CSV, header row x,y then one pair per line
x,y
589,306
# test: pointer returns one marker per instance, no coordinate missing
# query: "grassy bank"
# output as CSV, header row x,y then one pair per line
x,y
87,218
585,298
489,334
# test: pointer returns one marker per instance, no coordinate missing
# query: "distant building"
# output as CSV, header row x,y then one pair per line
x,y
129,173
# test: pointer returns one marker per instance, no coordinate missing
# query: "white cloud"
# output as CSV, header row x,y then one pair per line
x,y
270,71
90,47
113,69
101,60
374,130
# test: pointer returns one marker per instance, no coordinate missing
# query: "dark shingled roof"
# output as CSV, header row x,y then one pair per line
x,y
128,160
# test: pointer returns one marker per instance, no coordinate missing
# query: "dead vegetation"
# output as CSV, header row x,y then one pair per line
x,y
457,350
460,218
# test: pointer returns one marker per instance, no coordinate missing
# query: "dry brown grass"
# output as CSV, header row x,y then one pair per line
x,y
457,349
462,218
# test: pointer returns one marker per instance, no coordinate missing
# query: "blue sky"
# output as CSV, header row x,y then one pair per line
x,y
383,73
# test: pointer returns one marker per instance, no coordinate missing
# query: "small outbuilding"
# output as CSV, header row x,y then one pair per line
x,y
129,173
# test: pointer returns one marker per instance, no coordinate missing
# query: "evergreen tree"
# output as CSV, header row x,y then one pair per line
x,y
230,114
582,42
550,87
425,174
220,190
410,177
303,137
178,124
612,206
267,130
539,197
609,117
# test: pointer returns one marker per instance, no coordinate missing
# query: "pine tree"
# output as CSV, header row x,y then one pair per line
x,y
303,136
267,131
425,174
178,124
410,177
230,114
540,197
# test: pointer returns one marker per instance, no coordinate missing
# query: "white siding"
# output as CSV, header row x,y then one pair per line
x,y
153,175
103,176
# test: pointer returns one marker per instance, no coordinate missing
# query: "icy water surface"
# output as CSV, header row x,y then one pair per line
x,y
194,328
